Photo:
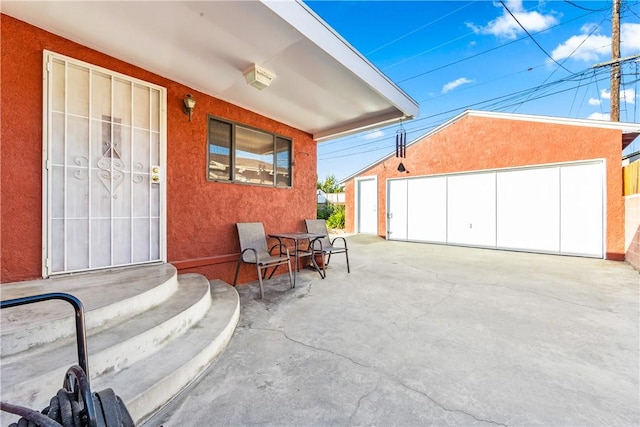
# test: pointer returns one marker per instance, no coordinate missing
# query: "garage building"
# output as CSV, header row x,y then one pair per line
x,y
501,181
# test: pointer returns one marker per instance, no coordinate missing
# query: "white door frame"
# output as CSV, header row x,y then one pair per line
x,y
47,140
357,201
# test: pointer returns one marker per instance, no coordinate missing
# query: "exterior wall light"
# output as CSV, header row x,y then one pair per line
x,y
189,105
258,76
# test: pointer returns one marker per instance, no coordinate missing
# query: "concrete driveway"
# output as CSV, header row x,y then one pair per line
x,y
430,335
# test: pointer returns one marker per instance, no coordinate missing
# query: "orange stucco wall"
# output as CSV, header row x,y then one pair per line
x,y
477,143
201,215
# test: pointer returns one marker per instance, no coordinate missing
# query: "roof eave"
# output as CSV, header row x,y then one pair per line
x,y
308,23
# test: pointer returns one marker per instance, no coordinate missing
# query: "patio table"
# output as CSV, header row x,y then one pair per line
x,y
298,252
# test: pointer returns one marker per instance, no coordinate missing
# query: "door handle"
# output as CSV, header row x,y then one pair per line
x,y
156,174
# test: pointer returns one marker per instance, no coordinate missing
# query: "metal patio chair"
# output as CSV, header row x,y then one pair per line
x,y
323,245
253,246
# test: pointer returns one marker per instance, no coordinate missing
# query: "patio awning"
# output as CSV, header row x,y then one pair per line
x,y
323,86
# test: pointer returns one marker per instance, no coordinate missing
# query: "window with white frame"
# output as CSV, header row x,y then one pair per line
x,y
238,153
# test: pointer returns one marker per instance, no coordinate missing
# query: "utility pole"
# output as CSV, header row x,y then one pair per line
x,y
615,66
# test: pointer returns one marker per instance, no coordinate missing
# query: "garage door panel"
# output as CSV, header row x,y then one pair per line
x,y
528,209
397,209
471,207
581,221
427,209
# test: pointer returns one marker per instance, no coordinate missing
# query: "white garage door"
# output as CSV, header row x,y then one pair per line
x,y
398,208
471,209
549,209
528,206
582,210
427,209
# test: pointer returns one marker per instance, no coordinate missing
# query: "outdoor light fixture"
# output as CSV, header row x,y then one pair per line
x,y
189,105
401,168
258,76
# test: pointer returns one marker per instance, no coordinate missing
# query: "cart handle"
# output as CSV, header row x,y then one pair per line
x,y
81,336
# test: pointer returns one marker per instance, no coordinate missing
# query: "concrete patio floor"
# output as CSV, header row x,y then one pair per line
x,y
429,335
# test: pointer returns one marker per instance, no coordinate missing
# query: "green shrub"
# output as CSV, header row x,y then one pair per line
x,y
336,219
324,211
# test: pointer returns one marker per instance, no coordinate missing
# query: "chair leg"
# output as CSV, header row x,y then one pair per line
x,y
260,281
324,269
235,279
290,277
346,254
273,271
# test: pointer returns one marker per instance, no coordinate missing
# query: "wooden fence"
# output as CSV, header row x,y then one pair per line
x,y
631,177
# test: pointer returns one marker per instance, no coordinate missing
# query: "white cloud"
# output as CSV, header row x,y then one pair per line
x,y
454,84
506,27
629,39
374,135
598,116
584,47
597,47
628,96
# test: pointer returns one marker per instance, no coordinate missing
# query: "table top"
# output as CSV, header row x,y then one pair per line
x,y
296,235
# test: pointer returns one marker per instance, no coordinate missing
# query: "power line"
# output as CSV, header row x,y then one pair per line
x,y
418,29
499,103
585,8
625,8
531,37
578,77
567,58
479,53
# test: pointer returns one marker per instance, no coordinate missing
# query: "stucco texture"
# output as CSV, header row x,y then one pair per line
x,y
475,143
201,215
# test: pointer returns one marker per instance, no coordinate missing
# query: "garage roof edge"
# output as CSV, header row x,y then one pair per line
x,y
629,130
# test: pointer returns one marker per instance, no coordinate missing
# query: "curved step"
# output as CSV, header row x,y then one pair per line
x,y
107,296
111,349
148,385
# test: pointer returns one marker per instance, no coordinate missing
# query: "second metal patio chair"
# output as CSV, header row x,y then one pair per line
x,y
323,245
253,247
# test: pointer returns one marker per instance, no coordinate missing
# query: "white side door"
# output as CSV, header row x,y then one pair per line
x,y
367,206
104,159
397,209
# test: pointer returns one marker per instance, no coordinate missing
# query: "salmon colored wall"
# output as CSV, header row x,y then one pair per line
x,y
349,206
477,143
632,230
201,215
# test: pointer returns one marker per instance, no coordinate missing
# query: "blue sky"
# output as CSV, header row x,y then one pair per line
x,y
454,55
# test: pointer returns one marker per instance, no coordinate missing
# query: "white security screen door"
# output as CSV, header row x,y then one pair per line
x,y
104,196
367,199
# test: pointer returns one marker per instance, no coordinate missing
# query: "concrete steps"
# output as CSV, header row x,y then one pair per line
x,y
150,333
